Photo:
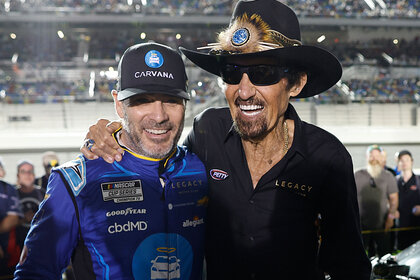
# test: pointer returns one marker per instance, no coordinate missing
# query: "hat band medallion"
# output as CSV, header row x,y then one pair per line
x,y
240,37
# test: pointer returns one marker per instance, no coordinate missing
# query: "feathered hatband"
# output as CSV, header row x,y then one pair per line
x,y
248,35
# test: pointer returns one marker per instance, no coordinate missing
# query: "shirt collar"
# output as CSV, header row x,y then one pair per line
x,y
298,144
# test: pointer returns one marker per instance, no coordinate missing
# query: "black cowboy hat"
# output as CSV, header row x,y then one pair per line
x,y
268,32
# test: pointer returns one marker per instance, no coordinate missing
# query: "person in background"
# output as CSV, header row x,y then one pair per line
x,y
49,160
409,201
141,218
10,213
2,170
384,160
30,196
377,193
270,173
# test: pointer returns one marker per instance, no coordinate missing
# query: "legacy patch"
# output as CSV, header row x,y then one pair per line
x,y
124,191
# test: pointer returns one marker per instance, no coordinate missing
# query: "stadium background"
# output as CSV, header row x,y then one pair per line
x,y
58,61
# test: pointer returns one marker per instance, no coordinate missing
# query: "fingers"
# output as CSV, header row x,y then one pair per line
x,y
104,145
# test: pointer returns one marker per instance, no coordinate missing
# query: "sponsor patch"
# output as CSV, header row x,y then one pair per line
x,y
124,191
413,187
218,174
195,222
154,59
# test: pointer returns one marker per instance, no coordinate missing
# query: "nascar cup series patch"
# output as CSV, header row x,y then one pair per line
x,y
153,59
124,191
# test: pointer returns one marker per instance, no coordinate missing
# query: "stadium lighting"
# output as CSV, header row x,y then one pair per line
x,y
2,93
370,4
387,58
178,36
129,2
143,36
13,36
144,2
381,3
92,84
395,41
7,6
193,93
15,58
321,38
111,68
60,34
360,57
199,84
85,57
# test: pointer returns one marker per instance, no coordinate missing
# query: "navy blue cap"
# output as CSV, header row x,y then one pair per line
x,y
151,68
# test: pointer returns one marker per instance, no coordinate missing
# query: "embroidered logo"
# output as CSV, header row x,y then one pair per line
x,y
218,175
124,191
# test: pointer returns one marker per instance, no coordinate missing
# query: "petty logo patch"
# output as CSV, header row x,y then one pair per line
x,y
124,191
154,59
218,174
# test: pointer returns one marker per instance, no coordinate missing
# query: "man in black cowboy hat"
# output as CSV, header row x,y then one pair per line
x,y
271,175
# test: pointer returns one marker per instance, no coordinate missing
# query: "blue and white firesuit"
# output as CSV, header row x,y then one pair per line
x,y
139,218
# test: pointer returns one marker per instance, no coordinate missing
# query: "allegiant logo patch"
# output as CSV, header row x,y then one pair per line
x,y
218,174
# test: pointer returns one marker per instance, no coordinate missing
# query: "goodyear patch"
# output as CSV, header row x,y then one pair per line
x,y
123,191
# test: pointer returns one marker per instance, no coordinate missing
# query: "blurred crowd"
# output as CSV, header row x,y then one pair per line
x,y
304,8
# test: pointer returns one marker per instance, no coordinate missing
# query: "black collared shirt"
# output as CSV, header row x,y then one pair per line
x,y
269,232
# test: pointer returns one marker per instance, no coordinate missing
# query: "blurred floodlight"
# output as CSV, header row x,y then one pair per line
x,y
193,93
178,36
381,3
111,75
129,2
199,84
321,38
144,2
143,36
7,6
395,41
360,57
92,84
117,57
111,68
370,4
102,73
60,34
387,58
13,36
2,93
85,57
15,58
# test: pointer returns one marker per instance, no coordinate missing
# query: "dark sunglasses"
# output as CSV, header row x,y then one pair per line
x,y
260,75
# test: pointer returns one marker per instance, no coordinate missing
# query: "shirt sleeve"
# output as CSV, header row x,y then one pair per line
x,y
392,184
13,204
52,237
342,254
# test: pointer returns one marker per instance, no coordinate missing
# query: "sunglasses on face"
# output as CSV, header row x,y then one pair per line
x,y
259,75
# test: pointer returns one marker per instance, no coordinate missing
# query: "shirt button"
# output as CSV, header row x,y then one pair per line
x,y
251,201
251,238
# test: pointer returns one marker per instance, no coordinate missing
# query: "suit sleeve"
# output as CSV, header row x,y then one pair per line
x,y
52,237
342,253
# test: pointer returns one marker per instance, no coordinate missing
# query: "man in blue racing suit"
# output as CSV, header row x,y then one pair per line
x,y
143,217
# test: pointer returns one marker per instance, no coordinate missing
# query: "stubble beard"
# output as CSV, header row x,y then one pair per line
x,y
139,146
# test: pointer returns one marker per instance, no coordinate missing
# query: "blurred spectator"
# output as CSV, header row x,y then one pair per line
x,y
409,200
49,160
9,218
2,171
377,193
30,196
383,163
